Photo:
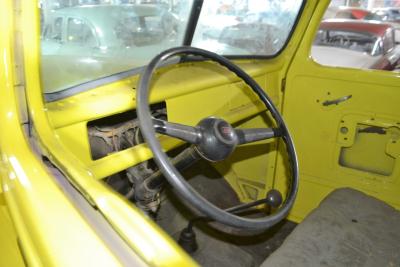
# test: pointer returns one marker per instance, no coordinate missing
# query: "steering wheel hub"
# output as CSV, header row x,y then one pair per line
x,y
218,139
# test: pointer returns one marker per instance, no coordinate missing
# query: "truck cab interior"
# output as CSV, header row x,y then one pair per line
x,y
191,132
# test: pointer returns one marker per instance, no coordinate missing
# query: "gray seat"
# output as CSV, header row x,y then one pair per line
x,y
349,228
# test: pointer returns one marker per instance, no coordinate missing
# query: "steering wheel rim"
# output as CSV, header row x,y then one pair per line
x,y
174,177
340,39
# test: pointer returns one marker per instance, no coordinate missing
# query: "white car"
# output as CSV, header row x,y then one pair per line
x,y
388,15
356,44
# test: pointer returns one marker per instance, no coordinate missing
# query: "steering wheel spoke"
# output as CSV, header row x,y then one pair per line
x,y
256,134
186,133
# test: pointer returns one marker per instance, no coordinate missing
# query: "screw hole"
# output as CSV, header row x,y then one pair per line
x,y
345,138
354,221
344,130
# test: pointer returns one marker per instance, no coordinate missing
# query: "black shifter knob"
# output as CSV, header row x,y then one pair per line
x,y
187,239
274,198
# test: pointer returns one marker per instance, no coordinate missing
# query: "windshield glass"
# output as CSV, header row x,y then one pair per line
x,y
85,40
373,16
246,28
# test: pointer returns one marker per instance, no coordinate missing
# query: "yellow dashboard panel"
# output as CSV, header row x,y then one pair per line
x,y
209,90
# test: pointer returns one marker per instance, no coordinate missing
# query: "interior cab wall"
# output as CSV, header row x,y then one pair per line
x,y
353,142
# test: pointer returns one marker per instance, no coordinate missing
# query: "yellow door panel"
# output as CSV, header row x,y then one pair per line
x,y
345,125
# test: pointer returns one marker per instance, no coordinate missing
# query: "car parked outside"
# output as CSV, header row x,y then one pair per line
x,y
345,12
247,36
387,15
248,31
214,25
87,41
264,30
357,44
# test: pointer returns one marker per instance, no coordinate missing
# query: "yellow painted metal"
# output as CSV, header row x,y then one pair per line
x,y
50,229
10,252
250,170
207,81
44,219
39,209
106,166
172,81
237,106
316,128
368,154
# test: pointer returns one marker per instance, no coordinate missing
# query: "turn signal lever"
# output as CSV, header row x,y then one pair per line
x,y
187,238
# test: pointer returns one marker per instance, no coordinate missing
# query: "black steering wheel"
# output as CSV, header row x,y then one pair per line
x,y
214,139
340,40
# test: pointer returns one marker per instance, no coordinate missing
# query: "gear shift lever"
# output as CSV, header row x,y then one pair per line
x,y
187,238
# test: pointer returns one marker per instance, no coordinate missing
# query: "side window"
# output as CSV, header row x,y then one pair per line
x,y
359,42
53,31
79,32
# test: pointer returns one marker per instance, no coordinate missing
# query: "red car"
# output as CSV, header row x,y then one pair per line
x,y
354,43
386,15
353,13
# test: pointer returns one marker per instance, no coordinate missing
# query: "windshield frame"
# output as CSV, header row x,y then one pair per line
x,y
194,15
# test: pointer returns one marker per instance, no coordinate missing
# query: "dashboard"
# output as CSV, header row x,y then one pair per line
x,y
183,93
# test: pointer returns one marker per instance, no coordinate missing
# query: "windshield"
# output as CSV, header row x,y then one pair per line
x,y
373,16
82,41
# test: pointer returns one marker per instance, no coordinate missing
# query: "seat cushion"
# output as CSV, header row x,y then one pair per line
x,y
349,228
